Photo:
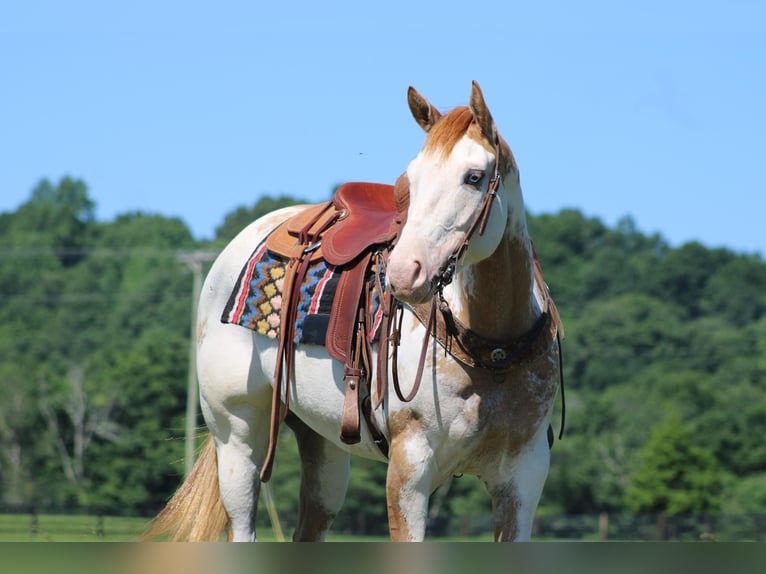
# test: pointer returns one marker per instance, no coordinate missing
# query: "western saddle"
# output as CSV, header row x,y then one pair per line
x,y
354,231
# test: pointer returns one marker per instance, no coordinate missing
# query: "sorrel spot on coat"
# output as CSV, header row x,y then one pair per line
x,y
408,324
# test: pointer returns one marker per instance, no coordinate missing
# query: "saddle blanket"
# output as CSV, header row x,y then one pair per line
x,y
256,300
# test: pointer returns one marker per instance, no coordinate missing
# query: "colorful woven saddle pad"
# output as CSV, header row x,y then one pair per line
x,y
256,300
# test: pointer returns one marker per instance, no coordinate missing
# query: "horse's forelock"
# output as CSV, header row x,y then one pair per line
x,y
448,131
458,122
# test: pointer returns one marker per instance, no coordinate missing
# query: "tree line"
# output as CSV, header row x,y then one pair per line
x,y
664,362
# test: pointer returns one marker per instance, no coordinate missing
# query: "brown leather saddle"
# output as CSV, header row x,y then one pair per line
x,y
354,232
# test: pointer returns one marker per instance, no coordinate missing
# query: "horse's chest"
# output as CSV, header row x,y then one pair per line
x,y
489,417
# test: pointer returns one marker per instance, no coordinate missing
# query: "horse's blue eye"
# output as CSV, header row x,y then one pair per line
x,y
473,177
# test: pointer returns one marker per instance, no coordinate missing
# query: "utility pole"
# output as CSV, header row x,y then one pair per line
x,y
193,260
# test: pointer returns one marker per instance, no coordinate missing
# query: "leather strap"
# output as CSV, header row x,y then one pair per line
x,y
479,223
295,273
389,305
284,240
423,351
354,376
474,350
295,268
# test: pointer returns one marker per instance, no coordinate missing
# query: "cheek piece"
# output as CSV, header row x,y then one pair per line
x,y
447,273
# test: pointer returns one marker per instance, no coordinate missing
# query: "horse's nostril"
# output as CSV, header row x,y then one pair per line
x,y
416,267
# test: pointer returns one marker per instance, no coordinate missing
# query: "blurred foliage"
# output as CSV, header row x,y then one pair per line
x,y
238,219
665,363
673,475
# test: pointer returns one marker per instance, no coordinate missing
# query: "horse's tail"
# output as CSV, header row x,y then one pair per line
x,y
196,512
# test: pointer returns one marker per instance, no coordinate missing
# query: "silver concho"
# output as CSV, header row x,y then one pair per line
x,y
497,355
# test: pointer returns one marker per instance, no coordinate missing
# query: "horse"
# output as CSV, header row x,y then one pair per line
x,y
464,252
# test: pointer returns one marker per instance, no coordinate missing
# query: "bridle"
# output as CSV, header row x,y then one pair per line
x,y
470,348
445,276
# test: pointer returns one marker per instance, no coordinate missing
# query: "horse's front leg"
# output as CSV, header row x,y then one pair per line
x,y
408,485
515,494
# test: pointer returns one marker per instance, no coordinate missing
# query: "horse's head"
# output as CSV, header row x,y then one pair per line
x,y
458,197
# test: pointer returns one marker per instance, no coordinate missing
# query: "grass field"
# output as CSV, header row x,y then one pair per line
x,y
69,528
82,528
85,528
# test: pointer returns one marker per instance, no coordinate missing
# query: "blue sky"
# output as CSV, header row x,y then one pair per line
x,y
653,109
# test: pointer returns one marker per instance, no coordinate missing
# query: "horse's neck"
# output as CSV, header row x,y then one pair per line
x,y
495,297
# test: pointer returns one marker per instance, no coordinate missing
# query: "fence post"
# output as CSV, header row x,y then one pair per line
x,y
34,523
465,522
603,526
662,526
100,530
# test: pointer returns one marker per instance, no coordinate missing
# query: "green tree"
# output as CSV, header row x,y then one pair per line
x,y
617,337
138,472
736,291
365,508
20,435
77,413
745,495
57,217
673,475
683,274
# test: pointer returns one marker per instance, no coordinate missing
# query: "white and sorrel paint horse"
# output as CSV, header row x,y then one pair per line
x,y
464,244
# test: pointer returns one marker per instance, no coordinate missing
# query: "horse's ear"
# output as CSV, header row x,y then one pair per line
x,y
481,114
424,113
